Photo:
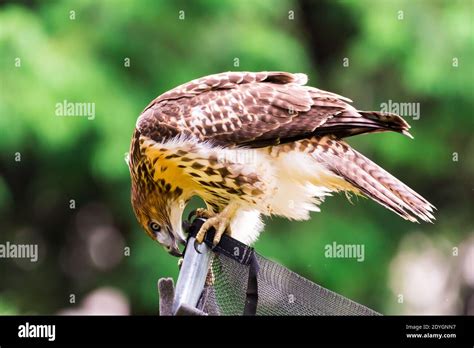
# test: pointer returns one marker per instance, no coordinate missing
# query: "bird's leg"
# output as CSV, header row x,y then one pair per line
x,y
219,221
204,213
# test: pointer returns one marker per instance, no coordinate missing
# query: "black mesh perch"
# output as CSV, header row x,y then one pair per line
x,y
232,279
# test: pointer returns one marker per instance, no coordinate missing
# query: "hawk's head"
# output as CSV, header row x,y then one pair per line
x,y
160,215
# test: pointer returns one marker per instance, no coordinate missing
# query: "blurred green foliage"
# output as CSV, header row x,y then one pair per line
x,y
83,60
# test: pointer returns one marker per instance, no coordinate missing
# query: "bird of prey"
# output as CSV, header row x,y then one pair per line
x,y
252,144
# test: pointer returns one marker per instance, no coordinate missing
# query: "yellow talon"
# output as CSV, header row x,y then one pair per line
x,y
220,222
203,213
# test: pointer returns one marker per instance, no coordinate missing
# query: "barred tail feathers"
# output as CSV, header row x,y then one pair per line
x,y
371,180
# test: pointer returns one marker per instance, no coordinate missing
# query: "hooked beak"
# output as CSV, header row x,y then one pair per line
x,y
175,252
174,249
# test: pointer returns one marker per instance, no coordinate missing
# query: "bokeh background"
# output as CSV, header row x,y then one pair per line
x,y
64,183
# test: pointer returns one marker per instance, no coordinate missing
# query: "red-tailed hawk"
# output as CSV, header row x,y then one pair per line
x,y
252,144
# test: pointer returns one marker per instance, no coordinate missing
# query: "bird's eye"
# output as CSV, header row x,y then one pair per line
x,y
154,226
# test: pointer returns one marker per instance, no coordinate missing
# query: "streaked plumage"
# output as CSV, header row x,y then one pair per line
x,y
252,144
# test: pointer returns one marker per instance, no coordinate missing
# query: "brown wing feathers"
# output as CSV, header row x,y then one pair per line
x,y
343,125
258,109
